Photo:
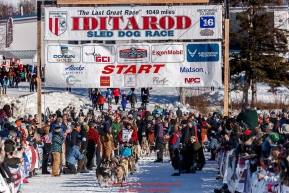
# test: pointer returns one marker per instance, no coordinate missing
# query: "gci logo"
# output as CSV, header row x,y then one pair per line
x,y
192,80
102,59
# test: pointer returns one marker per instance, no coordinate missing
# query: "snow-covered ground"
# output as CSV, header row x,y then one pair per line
x,y
141,181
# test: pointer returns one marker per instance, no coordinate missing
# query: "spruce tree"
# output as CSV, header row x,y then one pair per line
x,y
262,48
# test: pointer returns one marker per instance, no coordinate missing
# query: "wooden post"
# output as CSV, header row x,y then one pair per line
x,y
39,85
182,95
226,69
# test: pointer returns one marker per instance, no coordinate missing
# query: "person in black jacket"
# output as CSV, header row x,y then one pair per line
x,y
84,143
47,139
4,170
133,99
193,156
141,128
185,140
179,112
159,136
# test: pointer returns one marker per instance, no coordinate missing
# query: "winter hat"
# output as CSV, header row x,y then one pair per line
x,y
91,124
204,123
40,131
274,137
284,129
6,108
23,126
8,148
18,123
85,127
247,132
245,106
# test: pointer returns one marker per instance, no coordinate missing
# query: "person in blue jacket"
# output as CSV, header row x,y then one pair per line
x,y
73,156
5,83
123,104
58,122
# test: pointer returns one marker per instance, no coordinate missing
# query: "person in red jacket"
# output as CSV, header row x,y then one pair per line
x,y
93,140
101,100
127,135
116,94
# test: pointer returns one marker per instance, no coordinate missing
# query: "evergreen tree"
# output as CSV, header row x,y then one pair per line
x,y
262,48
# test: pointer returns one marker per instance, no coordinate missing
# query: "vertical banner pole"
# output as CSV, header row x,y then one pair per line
x,y
226,69
39,89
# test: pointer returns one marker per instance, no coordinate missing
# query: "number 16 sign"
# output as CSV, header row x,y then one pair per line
x,y
207,22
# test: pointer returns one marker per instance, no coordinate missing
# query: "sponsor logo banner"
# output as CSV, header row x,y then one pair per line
x,y
57,22
104,80
130,80
72,80
160,81
133,54
168,53
98,54
135,65
192,80
203,52
190,70
139,23
73,69
63,54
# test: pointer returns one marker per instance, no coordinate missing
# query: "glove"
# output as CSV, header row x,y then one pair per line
x,y
10,180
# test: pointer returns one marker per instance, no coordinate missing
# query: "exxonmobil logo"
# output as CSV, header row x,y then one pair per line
x,y
192,80
168,52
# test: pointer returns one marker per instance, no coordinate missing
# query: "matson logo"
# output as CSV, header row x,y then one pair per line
x,y
168,52
192,80
132,69
189,70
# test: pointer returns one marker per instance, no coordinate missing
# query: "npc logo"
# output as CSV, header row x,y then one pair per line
x,y
57,22
203,52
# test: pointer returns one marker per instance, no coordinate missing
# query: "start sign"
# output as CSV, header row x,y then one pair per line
x,y
139,23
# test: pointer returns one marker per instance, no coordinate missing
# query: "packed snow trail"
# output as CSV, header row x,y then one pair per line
x,y
150,177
